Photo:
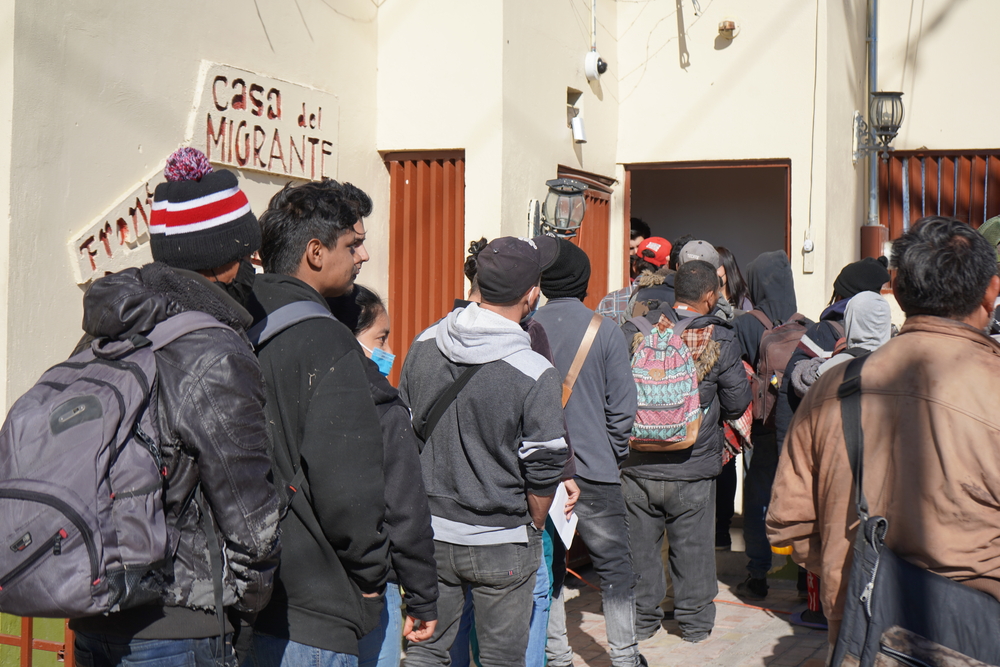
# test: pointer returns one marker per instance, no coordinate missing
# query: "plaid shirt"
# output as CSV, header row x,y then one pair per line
x,y
615,304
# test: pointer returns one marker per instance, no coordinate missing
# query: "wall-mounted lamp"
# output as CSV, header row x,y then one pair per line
x,y
729,29
564,207
885,113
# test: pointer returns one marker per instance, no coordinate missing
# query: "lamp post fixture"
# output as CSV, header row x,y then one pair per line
x,y
885,115
564,207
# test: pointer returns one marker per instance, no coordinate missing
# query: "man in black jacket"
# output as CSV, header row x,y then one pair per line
x,y
328,591
675,491
212,428
772,291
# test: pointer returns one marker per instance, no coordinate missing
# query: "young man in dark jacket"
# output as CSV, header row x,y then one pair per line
x,y
599,415
772,291
493,460
328,591
212,427
675,491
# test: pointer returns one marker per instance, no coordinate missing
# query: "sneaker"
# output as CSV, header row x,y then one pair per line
x,y
723,542
752,589
810,619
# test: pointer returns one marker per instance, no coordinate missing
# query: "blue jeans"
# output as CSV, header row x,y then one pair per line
x,y
542,597
761,462
110,651
686,511
382,646
604,529
271,651
501,578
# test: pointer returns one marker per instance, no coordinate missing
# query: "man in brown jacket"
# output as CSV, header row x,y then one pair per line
x,y
931,425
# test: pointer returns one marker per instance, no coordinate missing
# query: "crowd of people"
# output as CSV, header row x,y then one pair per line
x,y
353,515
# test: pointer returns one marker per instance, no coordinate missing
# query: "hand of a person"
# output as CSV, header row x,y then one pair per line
x,y
421,633
572,495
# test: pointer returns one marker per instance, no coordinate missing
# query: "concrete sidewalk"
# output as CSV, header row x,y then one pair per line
x,y
743,635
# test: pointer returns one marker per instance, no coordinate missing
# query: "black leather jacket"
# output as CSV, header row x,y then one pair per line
x,y
213,433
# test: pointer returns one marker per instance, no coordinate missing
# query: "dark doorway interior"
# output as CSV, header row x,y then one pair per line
x,y
743,206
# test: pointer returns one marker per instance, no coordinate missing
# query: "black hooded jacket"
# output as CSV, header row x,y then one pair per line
x,y
407,513
213,432
772,290
334,544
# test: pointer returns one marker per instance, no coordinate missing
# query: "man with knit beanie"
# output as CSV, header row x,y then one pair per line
x,y
599,412
213,431
492,458
325,430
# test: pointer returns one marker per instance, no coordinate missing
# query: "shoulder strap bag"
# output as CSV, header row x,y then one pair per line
x,y
898,614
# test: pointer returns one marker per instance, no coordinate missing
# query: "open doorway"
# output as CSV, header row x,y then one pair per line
x,y
745,206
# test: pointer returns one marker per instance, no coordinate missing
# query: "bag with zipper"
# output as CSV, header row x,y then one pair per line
x,y
666,378
897,614
82,525
777,345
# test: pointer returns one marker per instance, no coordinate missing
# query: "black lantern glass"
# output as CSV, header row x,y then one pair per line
x,y
885,115
564,206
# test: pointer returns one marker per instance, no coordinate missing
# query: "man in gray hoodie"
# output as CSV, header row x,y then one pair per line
x,y
493,460
599,413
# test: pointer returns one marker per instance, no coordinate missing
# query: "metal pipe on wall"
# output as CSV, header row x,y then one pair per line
x,y
872,88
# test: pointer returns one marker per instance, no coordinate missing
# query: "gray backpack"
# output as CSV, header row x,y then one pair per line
x,y
82,526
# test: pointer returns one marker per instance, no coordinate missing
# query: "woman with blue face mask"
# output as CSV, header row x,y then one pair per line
x,y
413,577
372,329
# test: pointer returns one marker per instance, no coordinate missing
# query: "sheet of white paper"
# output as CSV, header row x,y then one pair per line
x,y
557,512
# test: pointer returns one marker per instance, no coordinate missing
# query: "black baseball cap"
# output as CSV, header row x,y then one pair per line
x,y
508,267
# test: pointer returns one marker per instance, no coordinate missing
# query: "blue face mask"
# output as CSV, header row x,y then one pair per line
x,y
381,358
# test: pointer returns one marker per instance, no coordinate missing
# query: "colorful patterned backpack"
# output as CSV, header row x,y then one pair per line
x,y
666,380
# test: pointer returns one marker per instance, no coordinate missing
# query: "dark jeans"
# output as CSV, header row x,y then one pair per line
x,y
604,529
761,462
686,511
109,651
725,503
502,578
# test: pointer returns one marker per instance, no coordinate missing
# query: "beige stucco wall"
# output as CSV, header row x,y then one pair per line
x,y
103,92
942,55
6,139
688,94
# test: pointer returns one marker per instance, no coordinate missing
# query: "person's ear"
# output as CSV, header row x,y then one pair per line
x,y
314,254
990,298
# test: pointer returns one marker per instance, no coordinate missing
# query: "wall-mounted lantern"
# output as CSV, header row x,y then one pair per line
x,y
885,114
564,207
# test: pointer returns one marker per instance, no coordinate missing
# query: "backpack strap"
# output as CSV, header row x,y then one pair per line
x,y
179,325
285,317
644,326
424,429
581,356
764,319
849,394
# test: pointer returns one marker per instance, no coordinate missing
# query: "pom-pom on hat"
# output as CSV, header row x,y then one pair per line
x,y
200,219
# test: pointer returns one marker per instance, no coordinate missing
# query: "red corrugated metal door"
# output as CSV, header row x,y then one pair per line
x,y
594,236
426,242
963,184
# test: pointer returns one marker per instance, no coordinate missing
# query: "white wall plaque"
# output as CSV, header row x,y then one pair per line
x,y
251,121
118,238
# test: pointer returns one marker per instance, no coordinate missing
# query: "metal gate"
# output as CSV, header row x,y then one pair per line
x,y
35,642
962,184
426,242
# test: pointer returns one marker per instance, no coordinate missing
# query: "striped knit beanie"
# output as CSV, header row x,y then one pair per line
x,y
200,219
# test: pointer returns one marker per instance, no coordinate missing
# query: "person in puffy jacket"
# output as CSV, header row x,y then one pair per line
x,y
213,431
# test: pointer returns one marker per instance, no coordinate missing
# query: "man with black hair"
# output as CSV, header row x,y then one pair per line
x,y
599,414
675,491
493,457
928,413
324,428
639,231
